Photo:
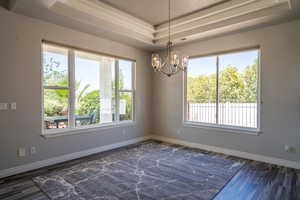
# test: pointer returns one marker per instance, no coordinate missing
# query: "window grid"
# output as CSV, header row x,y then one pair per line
x,y
217,102
72,93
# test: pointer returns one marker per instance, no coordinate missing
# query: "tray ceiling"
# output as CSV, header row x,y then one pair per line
x,y
156,11
142,23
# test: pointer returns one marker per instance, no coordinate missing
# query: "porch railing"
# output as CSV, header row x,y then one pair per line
x,y
242,112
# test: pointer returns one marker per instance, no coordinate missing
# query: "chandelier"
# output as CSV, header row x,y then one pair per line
x,y
173,62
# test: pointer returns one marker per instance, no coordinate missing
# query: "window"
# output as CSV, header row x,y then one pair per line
x,y
82,89
223,90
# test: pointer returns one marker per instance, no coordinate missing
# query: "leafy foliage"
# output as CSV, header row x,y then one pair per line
x,y
128,109
55,102
87,103
233,85
202,88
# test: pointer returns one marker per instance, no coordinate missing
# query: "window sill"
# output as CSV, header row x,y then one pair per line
x,y
220,128
82,130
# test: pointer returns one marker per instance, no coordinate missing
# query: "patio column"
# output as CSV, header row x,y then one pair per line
x,y
106,69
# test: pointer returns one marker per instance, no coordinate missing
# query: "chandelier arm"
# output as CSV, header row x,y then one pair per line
x,y
177,72
181,67
171,73
165,73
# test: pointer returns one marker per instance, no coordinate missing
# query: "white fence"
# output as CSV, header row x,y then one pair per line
x,y
233,114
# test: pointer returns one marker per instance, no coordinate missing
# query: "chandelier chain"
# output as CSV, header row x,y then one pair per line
x,y
173,62
169,20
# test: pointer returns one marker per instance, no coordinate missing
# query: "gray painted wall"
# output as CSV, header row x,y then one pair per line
x,y
20,63
280,71
159,100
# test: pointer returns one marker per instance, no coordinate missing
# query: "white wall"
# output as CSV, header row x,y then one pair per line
x,y
20,63
280,82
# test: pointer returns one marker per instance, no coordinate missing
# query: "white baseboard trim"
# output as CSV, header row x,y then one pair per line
x,y
71,156
67,157
256,157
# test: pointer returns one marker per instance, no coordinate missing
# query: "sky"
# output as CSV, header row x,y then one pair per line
x,y
87,71
207,65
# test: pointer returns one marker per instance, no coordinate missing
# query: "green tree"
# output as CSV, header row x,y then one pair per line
x,y
89,104
128,110
250,81
55,102
231,84
202,88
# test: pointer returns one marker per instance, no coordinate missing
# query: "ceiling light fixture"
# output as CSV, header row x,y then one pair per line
x,y
174,62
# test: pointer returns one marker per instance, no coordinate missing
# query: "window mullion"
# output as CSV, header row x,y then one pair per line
x,y
72,95
217,90
117,95
133,90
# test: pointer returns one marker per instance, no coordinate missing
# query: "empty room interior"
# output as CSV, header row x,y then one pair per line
x,y
150,99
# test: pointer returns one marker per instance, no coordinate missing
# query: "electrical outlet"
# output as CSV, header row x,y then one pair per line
x,y
32,150
21,152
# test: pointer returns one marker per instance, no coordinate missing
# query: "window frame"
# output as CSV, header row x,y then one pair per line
x,y
72,129
216,126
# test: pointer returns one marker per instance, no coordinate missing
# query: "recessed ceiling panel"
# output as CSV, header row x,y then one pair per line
x,y
156,11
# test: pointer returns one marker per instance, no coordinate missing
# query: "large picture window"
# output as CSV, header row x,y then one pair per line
x,y
223,90
82,89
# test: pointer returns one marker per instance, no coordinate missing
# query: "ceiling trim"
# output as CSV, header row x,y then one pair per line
x,y
240,21
204,13
105,16
220,18
215,15
85,18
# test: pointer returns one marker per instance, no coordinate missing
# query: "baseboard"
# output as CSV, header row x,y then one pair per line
x,y
256,157
67,157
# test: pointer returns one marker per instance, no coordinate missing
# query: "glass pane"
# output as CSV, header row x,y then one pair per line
x,y
55,66
55,108
94,77
201,90
125,106
125,75
238,89
107,90
87,103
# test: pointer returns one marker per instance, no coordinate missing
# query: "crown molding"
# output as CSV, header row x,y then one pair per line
x,y
96,13
222,18
204,13
199,24
219,16
231,23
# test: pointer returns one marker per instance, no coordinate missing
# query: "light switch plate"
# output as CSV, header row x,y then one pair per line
x,y
3,106
13,106
21,152
32,150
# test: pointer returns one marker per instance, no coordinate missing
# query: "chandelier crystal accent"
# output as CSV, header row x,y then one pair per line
x,y
174,62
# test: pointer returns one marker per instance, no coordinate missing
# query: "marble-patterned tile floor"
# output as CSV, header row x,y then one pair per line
x,y
253,181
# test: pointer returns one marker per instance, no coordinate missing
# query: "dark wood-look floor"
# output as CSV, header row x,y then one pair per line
x,y
261,181
255,181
